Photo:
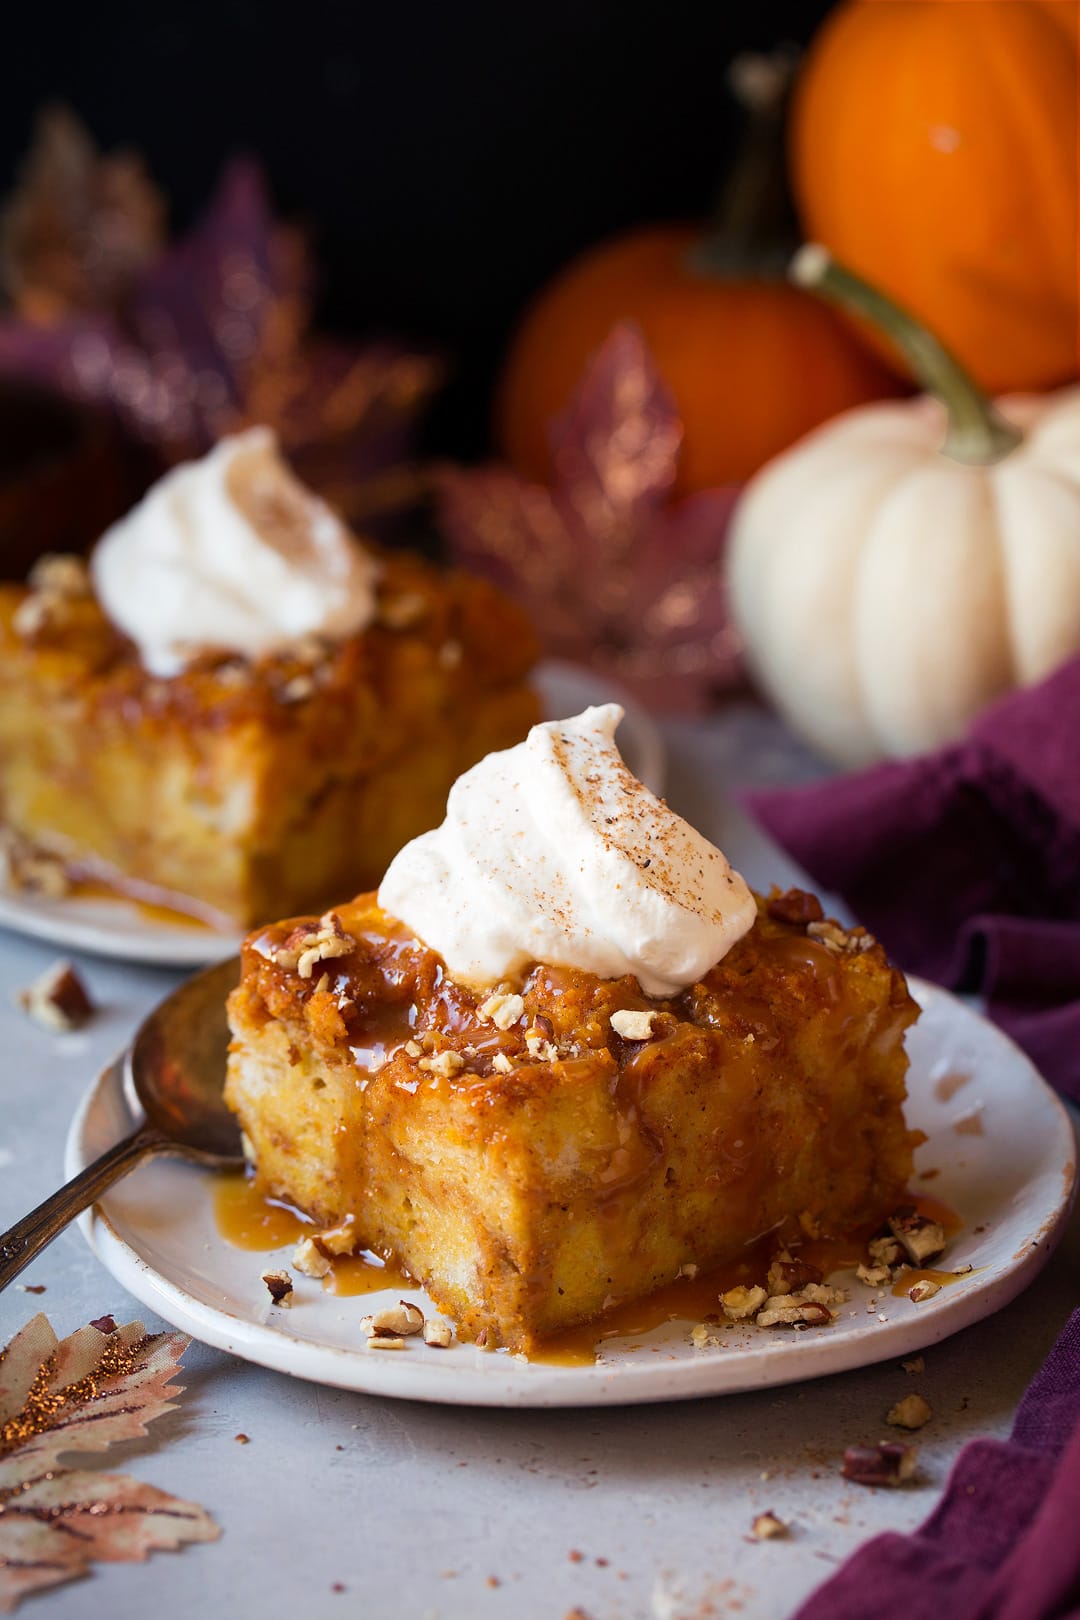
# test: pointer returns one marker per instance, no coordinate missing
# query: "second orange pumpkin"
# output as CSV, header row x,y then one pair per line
x,y
753,363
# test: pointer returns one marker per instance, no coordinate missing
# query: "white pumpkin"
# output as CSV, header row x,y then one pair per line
x,y
886,590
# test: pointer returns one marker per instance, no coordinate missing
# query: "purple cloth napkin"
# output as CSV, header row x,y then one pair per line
x,y
1004,1541
966,862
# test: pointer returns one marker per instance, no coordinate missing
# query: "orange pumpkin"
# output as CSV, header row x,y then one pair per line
x,y
753,363
934,151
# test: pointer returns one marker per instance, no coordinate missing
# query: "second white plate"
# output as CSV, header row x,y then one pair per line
x,y
998,1139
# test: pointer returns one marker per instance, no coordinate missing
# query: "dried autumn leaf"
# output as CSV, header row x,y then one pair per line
x,y
84,1393
214,334
610,572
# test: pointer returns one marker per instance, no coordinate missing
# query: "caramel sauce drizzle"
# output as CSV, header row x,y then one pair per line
x,y
248,1220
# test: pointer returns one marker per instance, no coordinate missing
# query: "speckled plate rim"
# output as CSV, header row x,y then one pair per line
x,y
117,929
1016,1180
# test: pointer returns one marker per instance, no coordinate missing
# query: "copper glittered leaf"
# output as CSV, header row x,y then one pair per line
x,y
611,573
101,1385
80,227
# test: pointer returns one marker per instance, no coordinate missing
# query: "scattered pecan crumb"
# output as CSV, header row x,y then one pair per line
x,y
924,1289
381,1341
58,1000
576,1614
912,1412
30,1288
501,1063
796,906
576,1556
915,1365
438,1334
280,1286
767,1527
242,1439
890,1462
702,1339
309,1259
633,1026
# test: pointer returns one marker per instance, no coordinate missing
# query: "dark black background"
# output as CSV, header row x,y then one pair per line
x,y
447,156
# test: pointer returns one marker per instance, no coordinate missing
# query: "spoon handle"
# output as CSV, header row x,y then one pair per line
x,y
30,1235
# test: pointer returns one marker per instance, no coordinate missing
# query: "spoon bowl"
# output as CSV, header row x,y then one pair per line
x,y
174,1071
174,1068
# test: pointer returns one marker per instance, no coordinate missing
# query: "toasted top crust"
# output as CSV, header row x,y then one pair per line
x,y
369,994
428,618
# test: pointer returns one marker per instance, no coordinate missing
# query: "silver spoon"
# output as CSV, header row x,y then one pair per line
x,y
175,1066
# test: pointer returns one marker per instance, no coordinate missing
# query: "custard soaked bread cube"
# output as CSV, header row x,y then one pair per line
x,y
537,1154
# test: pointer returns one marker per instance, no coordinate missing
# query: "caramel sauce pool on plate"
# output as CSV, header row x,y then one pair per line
x,y
247,1220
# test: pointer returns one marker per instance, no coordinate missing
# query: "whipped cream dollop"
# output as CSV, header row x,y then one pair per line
x,y
231,553
554,852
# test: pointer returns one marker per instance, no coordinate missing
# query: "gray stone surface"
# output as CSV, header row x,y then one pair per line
x,y
420,1512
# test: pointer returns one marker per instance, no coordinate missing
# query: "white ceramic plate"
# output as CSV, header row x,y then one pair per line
x,y
107,927
998,1137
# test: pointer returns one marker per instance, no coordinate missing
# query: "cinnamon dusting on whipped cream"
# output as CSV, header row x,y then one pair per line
x,y
554,852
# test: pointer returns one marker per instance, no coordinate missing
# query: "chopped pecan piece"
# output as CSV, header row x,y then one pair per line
x,y
60,574
873,1276
280,1286
791,1310
924,1289
796,906
885,1251
921,1238
740,1303
767,1527
58,999
912,1412
310,943
309,1259
633,1026
394,1321
890,1462
437,1333
788,1275
445,1064
503,1008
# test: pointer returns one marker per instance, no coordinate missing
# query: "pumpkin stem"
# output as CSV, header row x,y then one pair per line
x,y
753,224
977,434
